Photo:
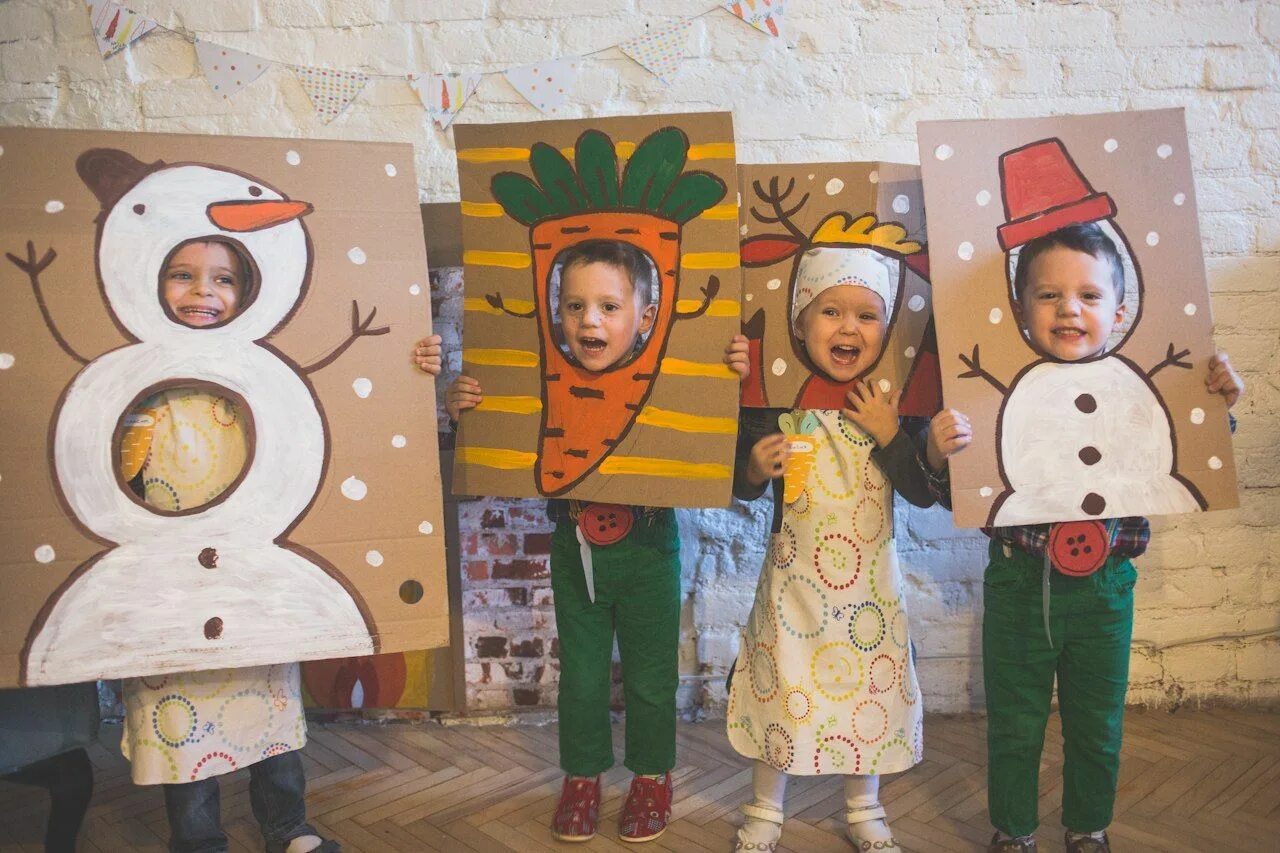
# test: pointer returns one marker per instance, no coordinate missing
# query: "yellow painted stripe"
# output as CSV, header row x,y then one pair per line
x,y
680,367
480,305
493,155
511,405
672,468
687,423
720,212
510,260
624,149
497,457
709,260
501,357
718,307
713,151
481,208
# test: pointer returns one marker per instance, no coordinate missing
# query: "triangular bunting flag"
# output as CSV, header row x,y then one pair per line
x,y
228,71
764,15
115,27
547,84
444,94
331,90
660,51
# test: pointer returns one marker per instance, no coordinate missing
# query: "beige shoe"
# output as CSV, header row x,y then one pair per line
x,y
862,814
772,825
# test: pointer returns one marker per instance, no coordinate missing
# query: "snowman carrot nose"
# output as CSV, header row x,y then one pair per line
x,y
255,215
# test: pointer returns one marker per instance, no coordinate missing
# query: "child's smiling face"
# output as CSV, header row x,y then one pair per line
x,y
601,314
203,283
1069,306
843,330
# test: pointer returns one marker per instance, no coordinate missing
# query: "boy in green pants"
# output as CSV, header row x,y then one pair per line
x,y
1068,291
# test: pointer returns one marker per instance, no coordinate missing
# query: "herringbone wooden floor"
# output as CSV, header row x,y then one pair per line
x,y
1194,780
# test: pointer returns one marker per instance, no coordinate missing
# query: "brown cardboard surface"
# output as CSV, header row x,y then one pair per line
x,y
339,507
792,208
1175,455
660,431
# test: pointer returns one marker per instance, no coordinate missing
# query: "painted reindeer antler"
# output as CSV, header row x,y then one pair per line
x,y
768,249
775,199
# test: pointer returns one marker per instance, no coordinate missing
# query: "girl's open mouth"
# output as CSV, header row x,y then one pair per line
x,y
845,355
199,313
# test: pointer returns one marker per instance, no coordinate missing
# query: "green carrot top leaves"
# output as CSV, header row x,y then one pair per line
x,y
652,180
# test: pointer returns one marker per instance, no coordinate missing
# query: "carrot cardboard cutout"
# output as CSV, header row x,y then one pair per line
x,y
605,187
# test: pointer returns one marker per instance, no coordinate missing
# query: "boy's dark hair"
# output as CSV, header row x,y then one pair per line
x,y
633,262
1088,238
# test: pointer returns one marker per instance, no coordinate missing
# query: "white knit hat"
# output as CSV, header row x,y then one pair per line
x,y
825,266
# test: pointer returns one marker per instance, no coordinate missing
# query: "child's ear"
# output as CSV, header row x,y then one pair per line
x,y
647,318
1120,313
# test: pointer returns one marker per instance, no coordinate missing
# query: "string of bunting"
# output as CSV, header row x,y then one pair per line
x,y
546,85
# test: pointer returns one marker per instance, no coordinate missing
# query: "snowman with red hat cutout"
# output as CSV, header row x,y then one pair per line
x,y
1086,439
215,585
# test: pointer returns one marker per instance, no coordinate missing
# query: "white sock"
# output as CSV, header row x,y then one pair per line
x,y
860,792
768,789
303,844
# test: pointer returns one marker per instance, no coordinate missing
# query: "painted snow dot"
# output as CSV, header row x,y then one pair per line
x,y
909,352
811,177
1189,309
995,316
915,303
398,440
1164,151
884,385
1180,199
373,558
1110,145
363,387
1197,415
774,283
985,491
834,186
44,554
354,488
749,297
54,206
874,177
1215,463
965,251
391,170
292,158
779,367
425,528
356,254
415,289
901,204
1153,238
983,198
6,360
943,152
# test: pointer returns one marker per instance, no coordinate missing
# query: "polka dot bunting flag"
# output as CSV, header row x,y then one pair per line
x,y
331,90
546,84
660,51
764,15
228,71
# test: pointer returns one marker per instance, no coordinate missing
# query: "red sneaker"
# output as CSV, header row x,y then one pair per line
x,y
578,810
647,810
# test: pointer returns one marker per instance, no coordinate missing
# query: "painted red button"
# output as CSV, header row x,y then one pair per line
x,y
604,524
1078,548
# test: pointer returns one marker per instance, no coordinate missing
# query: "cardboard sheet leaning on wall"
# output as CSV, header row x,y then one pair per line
x,y
660,430
329,542
788,210
1131,431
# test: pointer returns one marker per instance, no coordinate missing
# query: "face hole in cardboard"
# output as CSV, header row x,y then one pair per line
x,y
599,319
811,290
206,282
183,446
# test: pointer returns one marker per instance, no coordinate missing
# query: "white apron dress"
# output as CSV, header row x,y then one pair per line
x,y
189,446
825,681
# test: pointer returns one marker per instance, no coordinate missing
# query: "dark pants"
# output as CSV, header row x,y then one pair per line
x,y
69,780
1091,620
637,585
277,792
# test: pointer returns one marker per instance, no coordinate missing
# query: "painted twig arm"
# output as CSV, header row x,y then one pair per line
x,y
976,371
708,294
359,329
495,299
1171,359
33,268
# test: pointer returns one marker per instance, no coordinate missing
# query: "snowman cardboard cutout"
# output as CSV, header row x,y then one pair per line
x,y
326,542
1130,430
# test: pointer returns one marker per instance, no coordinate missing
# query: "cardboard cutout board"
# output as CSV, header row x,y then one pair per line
x,y
328,541
658,429
1130,431
789,214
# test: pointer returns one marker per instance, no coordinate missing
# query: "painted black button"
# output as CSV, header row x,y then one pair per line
x,y
1087,404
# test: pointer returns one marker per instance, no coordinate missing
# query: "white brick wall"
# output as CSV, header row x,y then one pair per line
x,y
849,81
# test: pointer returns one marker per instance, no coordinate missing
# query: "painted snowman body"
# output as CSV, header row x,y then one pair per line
x,y
212,586
1085,440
